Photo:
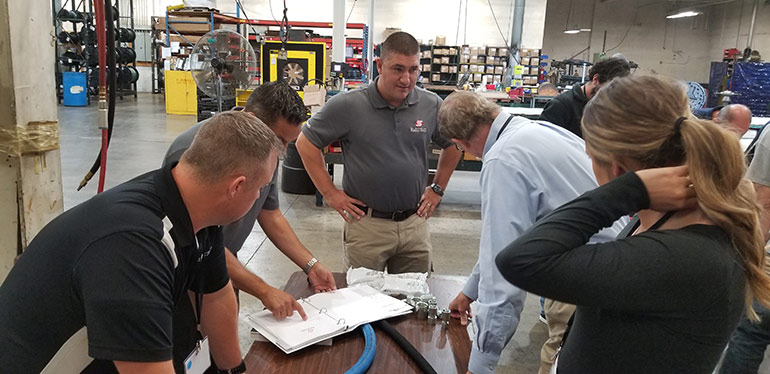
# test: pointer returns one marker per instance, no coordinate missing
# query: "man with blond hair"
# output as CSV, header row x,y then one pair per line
x,y
121,261
529,169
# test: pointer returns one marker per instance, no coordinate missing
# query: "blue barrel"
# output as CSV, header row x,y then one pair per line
x,y
75,89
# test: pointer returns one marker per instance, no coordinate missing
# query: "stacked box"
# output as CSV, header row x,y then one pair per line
x,y
444,69
498,69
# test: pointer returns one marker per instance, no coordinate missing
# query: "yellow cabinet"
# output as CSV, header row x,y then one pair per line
x,y
181,92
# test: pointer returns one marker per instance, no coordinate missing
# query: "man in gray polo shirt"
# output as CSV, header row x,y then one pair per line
x,y
281,108
385,129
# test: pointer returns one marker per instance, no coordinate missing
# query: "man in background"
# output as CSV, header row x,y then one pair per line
x,y
736,118
747,346
566,110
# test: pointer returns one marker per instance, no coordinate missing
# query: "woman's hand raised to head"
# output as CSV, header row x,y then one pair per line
x,y
669,188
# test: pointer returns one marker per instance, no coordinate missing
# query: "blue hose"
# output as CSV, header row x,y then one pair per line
x,y
370,348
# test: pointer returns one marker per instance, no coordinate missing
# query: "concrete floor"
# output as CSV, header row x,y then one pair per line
x,y
141,136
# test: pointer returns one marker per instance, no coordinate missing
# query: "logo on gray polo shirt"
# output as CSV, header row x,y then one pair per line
x,y
418,127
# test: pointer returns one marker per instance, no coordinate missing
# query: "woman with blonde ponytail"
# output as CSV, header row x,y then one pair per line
x,y
666,298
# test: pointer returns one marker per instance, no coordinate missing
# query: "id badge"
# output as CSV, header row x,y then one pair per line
x,y
199,359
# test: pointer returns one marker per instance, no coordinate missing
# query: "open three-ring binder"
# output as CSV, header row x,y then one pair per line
x,y
329,314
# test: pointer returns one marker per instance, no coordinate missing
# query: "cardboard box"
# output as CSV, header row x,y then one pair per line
x,y
524,52
498,69
490,69
453,69
464,59
202,24
425,54
445,60
525,60
452,51
474,59
491,51
440,40
444,69
464,68
477,77
315,95
192,39
502,52
437,60
426,67
535,61
435,77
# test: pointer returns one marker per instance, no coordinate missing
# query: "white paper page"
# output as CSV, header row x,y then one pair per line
x,y
357,305
293,331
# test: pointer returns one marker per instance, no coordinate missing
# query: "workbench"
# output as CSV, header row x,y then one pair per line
x,y
447,349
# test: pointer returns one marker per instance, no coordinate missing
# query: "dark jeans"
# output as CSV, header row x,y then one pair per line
x,y
747,345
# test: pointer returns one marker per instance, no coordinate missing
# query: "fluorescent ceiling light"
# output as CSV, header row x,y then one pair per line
x,y
683,14
573,31
585,30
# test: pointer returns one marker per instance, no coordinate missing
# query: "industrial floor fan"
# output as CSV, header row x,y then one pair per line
x,y
221,62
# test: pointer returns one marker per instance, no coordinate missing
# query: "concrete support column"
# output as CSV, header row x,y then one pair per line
x,y
338,31
30,165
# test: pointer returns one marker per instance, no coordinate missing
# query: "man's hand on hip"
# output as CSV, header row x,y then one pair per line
x,y
428,203
321,279
344,204
281,304
460,308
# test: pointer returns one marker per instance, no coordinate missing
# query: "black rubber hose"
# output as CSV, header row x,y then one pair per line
x,y
410,350
112,85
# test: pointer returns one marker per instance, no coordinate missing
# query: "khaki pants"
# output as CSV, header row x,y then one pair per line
x,y
557,314
375,243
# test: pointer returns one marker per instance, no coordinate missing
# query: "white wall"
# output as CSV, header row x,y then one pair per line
x,y
682,48
726,18
424,19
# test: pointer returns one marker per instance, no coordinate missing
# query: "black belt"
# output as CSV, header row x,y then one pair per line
x,y
397,216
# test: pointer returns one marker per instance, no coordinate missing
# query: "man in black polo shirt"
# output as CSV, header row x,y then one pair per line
x,y
119,262
281,108
566,110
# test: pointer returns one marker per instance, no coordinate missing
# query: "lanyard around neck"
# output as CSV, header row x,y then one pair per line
x,y
510,117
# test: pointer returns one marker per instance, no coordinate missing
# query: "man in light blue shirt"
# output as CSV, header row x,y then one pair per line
x,y
529,169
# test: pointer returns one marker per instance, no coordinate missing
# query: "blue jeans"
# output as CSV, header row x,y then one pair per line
x,y
747,345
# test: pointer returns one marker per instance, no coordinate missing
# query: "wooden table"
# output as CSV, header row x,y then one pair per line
x,y
447,349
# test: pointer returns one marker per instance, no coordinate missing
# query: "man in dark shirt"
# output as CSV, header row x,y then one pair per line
x,y
281,108
566,110
120,262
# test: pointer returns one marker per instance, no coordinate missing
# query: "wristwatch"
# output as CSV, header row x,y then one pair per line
x,y
236,370
310,265
437,189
